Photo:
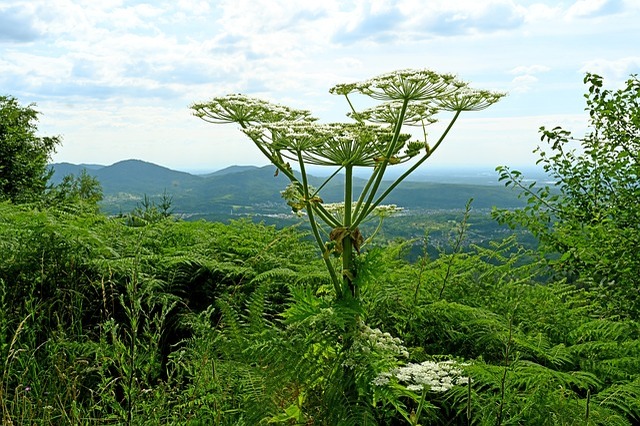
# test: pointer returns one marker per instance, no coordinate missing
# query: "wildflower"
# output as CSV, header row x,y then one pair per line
x,y
403,85
244,110
469,100
416,113
428,375
384,345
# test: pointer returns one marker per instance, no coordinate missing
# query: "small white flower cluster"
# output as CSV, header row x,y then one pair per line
x,y
381,211
373,340
331,144
428,375
408,84
469,100
240,108
445,91
416,113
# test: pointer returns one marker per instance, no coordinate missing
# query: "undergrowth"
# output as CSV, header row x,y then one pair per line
x,y
172,322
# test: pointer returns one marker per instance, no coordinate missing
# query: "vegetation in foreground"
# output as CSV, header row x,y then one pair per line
x,y
147,320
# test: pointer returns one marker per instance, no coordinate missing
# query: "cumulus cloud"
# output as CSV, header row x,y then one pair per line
x,y
415,19
594,8
17,25
525,77
530,69
615,71
371,23
492,17
443,18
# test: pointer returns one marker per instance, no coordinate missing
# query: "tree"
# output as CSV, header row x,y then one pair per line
x,y
82,189
23,155
588,223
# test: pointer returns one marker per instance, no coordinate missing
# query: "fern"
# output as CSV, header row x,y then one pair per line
x,y
623,398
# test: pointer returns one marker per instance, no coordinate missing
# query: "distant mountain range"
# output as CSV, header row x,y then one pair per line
x,y
256,190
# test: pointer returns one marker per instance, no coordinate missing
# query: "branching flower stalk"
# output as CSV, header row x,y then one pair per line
x,y
376,139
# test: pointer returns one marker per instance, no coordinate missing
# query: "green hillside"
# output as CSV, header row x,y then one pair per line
x,y
256,190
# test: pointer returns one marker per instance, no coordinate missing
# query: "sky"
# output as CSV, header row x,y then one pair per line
x,y
115,78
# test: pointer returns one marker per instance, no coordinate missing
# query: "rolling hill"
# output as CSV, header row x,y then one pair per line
x,y
255,190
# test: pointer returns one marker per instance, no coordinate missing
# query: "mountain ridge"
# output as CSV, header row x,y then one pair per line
x,y
256,190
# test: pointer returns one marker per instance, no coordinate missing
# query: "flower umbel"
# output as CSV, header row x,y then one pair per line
x,y
331,144
469,100
245,110
428,375
373,340
403,85
417,113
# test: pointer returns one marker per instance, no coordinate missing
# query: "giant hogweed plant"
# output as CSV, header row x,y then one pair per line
x,y
375,139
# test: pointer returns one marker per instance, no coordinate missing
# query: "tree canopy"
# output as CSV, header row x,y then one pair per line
x,y
24,155
590,217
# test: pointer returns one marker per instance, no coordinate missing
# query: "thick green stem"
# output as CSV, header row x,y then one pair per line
x,y
334,277
326,217
314,228
402,177
365,191
377,178
347,242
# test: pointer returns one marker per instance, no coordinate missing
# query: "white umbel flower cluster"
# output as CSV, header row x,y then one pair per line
x,y
428,375
381,211
382,341
373,340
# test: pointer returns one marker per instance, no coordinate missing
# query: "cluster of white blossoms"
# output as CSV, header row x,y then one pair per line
x,y
238,108
382,211
444,90
416,113
403,85
373,340
428,375
469,100
328,144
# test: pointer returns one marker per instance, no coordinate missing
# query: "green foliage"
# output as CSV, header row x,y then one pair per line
x,y
205,323
149,211
83,190
589,219
103,305
23,155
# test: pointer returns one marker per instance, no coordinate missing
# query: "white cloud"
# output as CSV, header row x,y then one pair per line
x,y
530,69
614,71
594,8
540,12
525,78
523,83
16,25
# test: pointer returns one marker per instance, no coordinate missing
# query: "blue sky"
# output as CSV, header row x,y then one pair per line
x,y
115,78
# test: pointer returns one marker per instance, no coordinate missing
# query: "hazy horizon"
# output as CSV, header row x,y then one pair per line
x,y
437,173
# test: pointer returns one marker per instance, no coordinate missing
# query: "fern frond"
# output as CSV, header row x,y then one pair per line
x,y
623,398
